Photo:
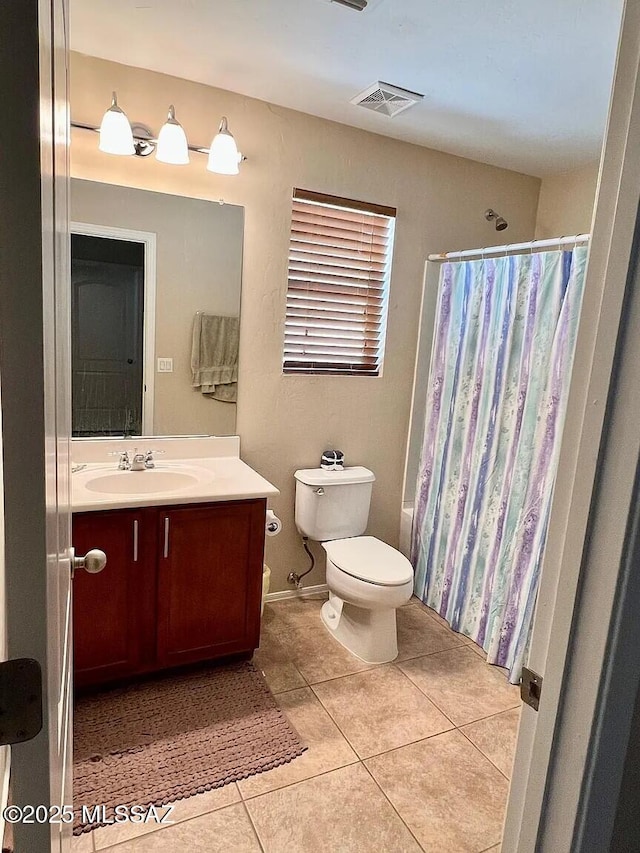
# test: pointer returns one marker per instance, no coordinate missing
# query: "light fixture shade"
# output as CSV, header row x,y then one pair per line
x,y
115,131
172,142
223,154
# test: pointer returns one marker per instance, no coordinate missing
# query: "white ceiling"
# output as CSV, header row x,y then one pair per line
x,y
517,83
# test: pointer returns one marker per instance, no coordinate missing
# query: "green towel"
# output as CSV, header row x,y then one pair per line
x,y
214,356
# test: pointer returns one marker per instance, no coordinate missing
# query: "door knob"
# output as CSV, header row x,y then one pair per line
x,y
93,561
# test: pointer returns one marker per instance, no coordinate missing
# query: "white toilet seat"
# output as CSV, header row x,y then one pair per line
x,y
368,559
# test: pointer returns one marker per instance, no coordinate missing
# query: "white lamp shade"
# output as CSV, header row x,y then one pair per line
x,y
115,131
172,142
223,154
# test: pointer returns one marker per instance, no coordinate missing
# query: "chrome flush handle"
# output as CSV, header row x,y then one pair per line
x,y
319,492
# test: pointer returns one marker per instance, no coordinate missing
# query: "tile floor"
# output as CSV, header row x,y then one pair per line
x,y
409,756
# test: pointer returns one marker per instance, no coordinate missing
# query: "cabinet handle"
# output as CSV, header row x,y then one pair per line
x,y
166,538
135,540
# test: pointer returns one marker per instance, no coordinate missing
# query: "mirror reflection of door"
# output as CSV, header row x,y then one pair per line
x,y
107,321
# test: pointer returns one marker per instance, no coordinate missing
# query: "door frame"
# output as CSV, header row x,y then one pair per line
x,y
5,751
148,238
552,753
36,411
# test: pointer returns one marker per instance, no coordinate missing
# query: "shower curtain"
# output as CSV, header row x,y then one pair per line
x,y
501,360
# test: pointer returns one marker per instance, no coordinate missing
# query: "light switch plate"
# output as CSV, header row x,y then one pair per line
x,y
165,365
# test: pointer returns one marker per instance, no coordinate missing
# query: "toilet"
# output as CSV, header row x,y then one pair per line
x,y
367,579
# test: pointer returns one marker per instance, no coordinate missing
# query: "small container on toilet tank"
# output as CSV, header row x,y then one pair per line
x,y
332,460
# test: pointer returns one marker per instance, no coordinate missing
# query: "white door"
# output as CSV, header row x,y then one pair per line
x,y
551,763
34,375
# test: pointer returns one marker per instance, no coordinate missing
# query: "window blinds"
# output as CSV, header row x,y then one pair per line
x,y
339,268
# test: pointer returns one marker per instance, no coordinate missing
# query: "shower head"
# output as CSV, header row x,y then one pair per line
x,y
501,223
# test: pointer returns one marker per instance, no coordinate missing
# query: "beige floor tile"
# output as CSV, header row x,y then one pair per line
x,y
318,656
449,795
343,812
462,685
225,830
280,616
380,709
274,661
481,653
327,748
477,649
82,843
185,809
431,612
419,634
439,619
495,737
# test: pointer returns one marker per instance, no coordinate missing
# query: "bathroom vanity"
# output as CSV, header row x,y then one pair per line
x,y
183,578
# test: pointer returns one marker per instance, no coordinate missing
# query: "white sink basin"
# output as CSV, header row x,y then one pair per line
x,y
99,485
141,482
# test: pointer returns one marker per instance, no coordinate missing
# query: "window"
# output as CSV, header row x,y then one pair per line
x,y
339,270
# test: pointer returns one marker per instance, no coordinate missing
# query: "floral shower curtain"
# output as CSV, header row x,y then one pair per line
x,y
501,361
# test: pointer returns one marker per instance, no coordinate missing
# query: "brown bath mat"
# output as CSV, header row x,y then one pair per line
x,y
170,738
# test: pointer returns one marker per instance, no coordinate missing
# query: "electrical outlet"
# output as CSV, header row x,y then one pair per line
x,y
165,365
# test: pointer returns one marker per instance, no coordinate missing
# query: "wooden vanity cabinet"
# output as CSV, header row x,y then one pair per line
x,y
209,581
181,585
112,617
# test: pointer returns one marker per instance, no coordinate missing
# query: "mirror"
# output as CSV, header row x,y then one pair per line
x,y
156,283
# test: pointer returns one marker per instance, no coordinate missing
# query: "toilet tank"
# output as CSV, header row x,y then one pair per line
x,y
333,504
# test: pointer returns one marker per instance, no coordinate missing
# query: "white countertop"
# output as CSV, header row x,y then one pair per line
x,y
219,478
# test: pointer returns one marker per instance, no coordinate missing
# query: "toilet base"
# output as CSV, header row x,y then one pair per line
x,y
368,634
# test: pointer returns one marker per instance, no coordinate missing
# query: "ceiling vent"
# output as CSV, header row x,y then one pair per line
x,y
386,99
358,5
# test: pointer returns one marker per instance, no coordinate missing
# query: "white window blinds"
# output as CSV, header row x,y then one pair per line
x,y
339,269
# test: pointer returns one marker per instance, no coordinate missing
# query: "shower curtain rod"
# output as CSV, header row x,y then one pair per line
x,y
512,247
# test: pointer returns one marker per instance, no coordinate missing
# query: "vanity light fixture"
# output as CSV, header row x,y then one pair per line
x,y
118,136
223,154
172,144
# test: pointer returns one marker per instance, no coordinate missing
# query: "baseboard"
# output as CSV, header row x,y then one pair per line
x,y
304,592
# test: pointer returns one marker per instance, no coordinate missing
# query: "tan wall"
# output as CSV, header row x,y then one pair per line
x,y
286,421
566,202
198,268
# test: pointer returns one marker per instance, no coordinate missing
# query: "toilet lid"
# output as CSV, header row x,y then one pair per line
x,y
369,559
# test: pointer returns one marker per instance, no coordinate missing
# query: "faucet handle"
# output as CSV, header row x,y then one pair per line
x,y
124,464
148,458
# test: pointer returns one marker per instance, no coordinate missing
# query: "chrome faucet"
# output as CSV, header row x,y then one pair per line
x,y
138,461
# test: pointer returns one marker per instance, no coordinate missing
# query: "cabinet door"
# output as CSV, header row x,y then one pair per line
x,y
109,610
210,580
